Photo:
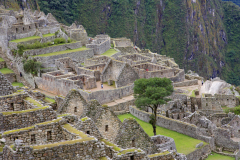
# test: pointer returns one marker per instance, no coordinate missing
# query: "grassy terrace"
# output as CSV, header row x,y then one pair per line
x,y
215,156
25,39
24,111
128,150
6,71
62,52
31,127
74,130
36,103
184,144
48,35
1,60
158,154
17,84
109,52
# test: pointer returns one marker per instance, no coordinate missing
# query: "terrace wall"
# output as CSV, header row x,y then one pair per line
x,y
52,49
22,120
78,56
100,45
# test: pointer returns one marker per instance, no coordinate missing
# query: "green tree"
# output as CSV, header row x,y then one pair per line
x,y
152,93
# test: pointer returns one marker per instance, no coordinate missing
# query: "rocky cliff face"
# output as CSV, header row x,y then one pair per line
x,y
191,31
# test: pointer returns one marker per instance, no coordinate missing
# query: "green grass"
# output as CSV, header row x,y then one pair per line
x,y
25,39
48,35
33,102
1,60
193,94
6,71
1,148
103,158
63,115
62,52
113,85
109,52
17,84
49,100
216,156
184,144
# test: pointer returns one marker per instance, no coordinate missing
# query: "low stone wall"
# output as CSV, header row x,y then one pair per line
x,y
186,83
78,56
28,118
123,106
11,77
53,49
200,153
129,155
166,156
174,125
105,96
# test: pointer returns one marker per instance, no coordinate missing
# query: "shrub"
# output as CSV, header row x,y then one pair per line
x,y
31,66
59,40
235,110
14,52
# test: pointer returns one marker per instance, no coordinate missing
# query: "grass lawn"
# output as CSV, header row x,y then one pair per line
x,y
34,102
49,100
25,39
216,156
109,52
62,52
184,144
48,35
18,84
6,71
1,60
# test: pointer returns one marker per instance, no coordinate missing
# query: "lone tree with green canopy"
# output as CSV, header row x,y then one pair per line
x,y
152,93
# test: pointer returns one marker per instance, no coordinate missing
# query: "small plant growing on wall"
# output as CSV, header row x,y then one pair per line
x,y
31,66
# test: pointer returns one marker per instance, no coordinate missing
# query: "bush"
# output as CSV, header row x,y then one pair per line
x,y
14,52
59,40
31,66
235,110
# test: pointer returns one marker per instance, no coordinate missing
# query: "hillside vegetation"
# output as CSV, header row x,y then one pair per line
x,y
201,36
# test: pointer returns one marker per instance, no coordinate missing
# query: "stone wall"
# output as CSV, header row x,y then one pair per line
x,y
105,96
227,100
100,44
12,120
2,64
32,136
11,77
52,49
88,126
96,60
186,83
6,87
137,155
131,134
122,42
175,125
179,76
164,143
126,76
200,153
75,149
78,56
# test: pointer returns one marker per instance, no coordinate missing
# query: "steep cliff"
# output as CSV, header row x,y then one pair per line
x,y
194,32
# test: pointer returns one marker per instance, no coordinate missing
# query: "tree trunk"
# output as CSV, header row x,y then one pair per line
x,y
154,121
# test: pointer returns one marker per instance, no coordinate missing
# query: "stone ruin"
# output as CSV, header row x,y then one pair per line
x,y
84,123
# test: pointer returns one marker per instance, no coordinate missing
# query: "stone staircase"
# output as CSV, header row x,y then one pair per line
x,y
15,70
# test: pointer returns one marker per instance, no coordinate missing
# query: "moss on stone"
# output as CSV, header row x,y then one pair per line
x,y
103,158
34,102
84,119
105,105
24,111
63,115
129,150
74,130
62,143
111,144
158,154
31,127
